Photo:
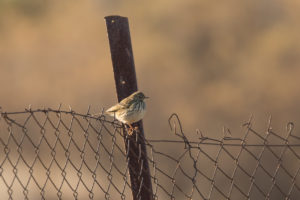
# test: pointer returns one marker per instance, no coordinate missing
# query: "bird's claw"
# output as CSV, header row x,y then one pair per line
x,y
131,130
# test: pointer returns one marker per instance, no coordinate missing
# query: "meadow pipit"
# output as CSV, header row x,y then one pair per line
x,y
129,110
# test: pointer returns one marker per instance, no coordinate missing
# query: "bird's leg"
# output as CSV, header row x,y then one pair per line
x,y
130,131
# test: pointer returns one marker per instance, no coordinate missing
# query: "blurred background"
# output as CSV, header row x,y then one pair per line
x,y
213,63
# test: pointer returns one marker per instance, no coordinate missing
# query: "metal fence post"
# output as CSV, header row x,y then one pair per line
x,y
126,83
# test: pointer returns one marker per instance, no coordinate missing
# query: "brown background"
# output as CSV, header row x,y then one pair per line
x,y
214,63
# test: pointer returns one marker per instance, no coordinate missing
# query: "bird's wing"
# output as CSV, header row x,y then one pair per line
x,y
125,103
115,108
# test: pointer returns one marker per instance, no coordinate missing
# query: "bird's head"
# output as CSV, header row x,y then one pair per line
x,y
139,96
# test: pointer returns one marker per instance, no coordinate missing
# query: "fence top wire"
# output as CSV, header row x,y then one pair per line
x,y
204,169
203,140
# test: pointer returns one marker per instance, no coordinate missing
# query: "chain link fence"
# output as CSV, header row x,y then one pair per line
x,y
56,154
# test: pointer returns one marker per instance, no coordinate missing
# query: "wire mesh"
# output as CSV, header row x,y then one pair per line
x,y
46,154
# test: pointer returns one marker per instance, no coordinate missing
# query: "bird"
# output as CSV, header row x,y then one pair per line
x,y
131,109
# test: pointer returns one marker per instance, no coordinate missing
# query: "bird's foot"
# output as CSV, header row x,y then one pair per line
x,y
130,131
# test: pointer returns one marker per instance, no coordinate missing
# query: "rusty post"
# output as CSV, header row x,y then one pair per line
x,y
126,84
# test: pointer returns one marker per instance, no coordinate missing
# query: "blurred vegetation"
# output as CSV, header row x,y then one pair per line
x,y
214,63
28,8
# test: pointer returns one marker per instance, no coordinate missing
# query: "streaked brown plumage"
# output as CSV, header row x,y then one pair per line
x,y
129,110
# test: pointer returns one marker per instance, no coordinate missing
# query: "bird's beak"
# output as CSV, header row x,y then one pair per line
x,y
147,97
